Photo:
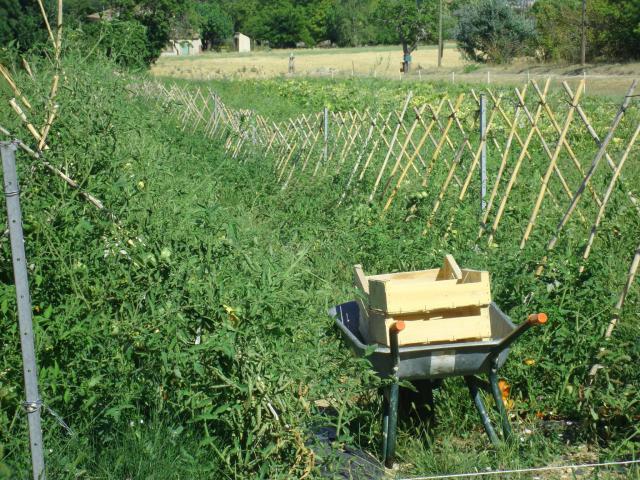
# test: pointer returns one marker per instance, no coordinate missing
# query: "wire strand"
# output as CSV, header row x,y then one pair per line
x,y
523,470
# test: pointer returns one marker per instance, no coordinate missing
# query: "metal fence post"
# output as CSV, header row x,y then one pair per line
x,y
14,218
326,135
483,154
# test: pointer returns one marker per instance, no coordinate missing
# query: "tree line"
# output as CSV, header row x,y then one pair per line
x,y
134,32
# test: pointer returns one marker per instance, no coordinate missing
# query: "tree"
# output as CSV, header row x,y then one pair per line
x,y
215,23
281,23
558,23
21,24
123,41
158,16
412,22
612,29
492,31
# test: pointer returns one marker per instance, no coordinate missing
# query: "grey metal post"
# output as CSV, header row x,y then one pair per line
x,y
14,217
483,154
326,135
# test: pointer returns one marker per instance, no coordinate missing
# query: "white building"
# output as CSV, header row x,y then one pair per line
x,y
241,43
185,46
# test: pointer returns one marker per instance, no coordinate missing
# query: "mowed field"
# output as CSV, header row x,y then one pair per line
x,y
384,61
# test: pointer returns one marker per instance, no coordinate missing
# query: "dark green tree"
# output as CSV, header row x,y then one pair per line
x,y
492,31
158,16
215,24
411,21
281,23
21,25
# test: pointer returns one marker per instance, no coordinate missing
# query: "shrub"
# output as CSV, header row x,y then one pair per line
x,y
491,31
123,41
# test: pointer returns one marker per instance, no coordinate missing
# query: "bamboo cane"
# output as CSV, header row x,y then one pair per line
x,y
336,139
633,268
594,165
403,149
27,68
24,119
572,155
418,113
357,163
445,185
59,31
47,127
607,196
445,133
552,163
286,162
503,164
598,143
518,164
46,23
351,140
407,166
16,91
393,141
68,180
435,120
381,136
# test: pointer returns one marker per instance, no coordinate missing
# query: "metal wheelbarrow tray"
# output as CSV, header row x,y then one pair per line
x,y
435,361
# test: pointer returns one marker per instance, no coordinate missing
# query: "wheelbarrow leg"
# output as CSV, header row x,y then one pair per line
x,y
497,396
484,416
394,392
385,423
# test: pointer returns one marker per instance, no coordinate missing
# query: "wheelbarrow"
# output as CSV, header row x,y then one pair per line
x,y
437,361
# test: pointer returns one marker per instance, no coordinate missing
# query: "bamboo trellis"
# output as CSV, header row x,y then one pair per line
x,y
543,152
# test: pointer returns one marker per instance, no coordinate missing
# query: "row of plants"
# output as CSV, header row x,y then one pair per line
x,y
211,248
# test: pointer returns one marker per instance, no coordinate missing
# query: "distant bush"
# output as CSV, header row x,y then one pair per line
x,y
492,31
123,41
613,29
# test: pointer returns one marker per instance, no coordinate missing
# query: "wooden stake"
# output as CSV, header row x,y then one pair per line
x,y
607,195
16,91
633,268
46,23
594,165
393,141
552,163
518,164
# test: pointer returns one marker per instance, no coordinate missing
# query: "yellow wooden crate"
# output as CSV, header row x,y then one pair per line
x,y
429,290
446,304
468,323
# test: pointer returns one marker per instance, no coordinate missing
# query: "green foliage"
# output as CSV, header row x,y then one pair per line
x,y
491,31
158,16
613,29
211,246
215,23
123,41
21,25
281,23
558,24
411,21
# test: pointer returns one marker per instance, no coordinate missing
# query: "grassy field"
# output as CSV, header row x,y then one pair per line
x,y
384,61
212,247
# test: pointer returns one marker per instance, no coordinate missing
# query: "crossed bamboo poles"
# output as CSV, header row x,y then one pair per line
x,y
436,147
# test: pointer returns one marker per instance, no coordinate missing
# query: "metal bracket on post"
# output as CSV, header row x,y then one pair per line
x,y
27,343
483,154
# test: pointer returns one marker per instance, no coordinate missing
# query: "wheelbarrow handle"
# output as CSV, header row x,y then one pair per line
x,y
532,320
